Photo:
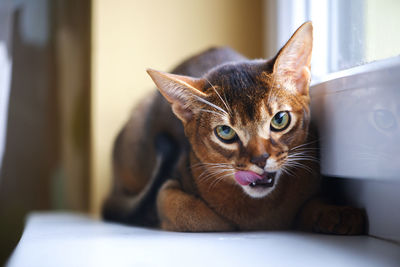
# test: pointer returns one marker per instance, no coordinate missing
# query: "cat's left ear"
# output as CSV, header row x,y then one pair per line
x,y
183,92
292,64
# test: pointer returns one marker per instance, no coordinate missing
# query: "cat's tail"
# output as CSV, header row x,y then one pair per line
x,y
140,209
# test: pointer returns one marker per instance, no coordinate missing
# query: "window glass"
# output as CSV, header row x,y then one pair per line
x,y
382,22
346,33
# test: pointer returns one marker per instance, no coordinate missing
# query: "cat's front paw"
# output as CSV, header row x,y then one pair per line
x,y
340,220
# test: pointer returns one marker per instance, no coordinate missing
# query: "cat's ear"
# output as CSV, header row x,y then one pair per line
x,y
292,64
182,92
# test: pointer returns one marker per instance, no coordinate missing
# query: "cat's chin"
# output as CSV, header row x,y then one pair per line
x,y
260,190
257,192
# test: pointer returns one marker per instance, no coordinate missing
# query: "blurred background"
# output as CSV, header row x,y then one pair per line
x,y
71,70
76,69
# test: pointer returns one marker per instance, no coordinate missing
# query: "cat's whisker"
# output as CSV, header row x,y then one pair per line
x,y
303,154
211,111
211,172
303,145
305,149
229,108
307,153
214,183
284,170
214,171
212,176
303,158
224,102
298,165
210,165
206,175
210,104
219,179
312,151
297,155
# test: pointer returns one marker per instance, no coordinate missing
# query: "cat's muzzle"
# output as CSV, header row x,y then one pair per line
x,y
252,179
268,180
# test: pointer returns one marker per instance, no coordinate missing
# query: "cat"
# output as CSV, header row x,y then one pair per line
x,y
226,145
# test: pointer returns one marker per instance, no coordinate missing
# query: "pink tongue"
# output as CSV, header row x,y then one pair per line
x,y
246,177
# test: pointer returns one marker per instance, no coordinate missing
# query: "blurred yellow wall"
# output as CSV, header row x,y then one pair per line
x,y
130,36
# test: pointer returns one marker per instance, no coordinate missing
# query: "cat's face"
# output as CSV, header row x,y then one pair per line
x,y
246,128
245,119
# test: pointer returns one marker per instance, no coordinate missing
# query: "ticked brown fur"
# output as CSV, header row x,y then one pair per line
x,y
171,170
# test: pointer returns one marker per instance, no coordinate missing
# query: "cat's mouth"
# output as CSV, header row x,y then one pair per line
x,y
254,180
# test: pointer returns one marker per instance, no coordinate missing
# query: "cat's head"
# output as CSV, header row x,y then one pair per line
x,y
244,118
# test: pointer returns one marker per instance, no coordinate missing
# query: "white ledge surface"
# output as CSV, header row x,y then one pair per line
x,y
65,239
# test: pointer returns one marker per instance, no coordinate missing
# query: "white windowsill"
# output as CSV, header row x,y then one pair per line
x,y
63,239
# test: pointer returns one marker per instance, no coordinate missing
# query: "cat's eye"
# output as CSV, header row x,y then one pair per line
x,y
225,133
280,121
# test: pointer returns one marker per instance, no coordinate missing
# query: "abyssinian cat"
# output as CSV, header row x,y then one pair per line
x,y
226,146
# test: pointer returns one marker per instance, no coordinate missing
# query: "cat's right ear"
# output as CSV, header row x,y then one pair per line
x,y
181,91
292,64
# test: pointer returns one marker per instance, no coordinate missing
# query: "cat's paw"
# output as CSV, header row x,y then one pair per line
x,y
340,220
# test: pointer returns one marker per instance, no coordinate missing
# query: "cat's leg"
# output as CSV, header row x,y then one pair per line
x,y
321,217
180,211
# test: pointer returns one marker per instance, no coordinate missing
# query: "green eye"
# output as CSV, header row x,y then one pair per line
x,y
280,121
225,133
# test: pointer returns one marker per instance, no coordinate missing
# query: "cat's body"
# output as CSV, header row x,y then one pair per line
x,y
231,166
153,116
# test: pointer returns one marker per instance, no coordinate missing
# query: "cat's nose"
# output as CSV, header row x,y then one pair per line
x,y
260,161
